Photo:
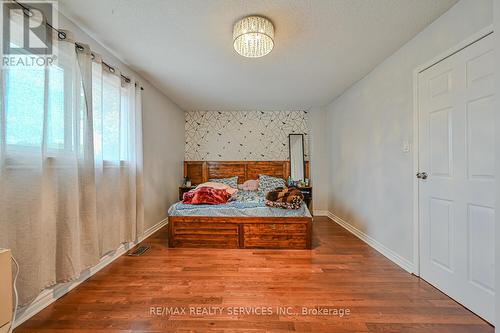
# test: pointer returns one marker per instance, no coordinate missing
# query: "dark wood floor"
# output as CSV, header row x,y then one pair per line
x,y
340,273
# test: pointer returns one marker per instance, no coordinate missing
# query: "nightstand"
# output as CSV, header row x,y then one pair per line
x,y
308,194
184,189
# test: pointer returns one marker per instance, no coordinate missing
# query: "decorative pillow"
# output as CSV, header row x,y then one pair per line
x,y
250,185
219,186
233,181
248,196
268,183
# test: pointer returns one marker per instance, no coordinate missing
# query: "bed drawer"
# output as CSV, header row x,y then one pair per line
x,y
275,235
275,228
221,235
240,232
271,241
205,228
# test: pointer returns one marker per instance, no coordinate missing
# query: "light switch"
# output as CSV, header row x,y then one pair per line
x,y
406,147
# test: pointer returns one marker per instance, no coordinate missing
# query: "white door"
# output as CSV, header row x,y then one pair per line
x,y
457,199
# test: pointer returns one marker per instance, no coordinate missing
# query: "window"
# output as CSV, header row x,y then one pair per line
x,y
38,96
110,106
24,107
111,118
33,97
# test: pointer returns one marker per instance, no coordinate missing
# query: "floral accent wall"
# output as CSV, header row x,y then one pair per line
x,y
243,135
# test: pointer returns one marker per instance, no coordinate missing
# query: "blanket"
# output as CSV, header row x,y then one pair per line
x,y
288,198
206,195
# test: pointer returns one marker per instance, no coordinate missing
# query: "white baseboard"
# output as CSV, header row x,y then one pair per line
x,y
50,295
386,252
320,213
153,229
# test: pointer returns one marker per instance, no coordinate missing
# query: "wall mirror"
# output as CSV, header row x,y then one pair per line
x,y
296,146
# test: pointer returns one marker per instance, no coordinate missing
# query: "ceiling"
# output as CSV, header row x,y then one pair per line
x,y
184,47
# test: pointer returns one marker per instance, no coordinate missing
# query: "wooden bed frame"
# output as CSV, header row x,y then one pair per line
x,y
239,232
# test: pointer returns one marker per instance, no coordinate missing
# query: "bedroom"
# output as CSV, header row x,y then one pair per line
x,y
381,113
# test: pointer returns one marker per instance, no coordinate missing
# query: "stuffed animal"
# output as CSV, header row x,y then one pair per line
x,y
288,198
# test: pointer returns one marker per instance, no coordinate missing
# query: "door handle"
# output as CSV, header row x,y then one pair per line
x,y
422,175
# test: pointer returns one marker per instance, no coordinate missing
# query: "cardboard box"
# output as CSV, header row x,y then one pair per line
x,y
5,290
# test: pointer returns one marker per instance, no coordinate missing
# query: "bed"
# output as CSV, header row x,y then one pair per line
x,y
244,223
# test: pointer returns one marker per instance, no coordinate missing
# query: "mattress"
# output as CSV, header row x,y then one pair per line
x,y
245,204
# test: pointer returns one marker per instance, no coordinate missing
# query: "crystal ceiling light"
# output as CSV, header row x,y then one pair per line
x,y
253,36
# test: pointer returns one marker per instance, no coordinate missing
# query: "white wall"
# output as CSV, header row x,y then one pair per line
x,y
319,158
163,141
163,136
371,178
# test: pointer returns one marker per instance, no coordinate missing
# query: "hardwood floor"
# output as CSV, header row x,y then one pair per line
x,y
340,273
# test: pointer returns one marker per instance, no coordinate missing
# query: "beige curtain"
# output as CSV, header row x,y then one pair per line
x,y
70,166
118,157
139,163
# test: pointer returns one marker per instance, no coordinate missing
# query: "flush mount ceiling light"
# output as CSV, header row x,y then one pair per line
x,y
253,36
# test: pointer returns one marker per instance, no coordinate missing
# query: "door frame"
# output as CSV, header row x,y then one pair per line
x,y
416,117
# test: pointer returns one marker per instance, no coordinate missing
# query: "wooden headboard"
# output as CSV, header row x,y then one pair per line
x,y
200,171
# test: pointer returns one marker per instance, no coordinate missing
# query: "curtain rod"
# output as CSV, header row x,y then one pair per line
x,y
62,35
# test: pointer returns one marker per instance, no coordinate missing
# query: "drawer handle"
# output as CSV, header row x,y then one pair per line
x,y
272,226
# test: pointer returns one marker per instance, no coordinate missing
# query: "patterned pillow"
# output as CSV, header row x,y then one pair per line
x,y
248,196
233,181
268,183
